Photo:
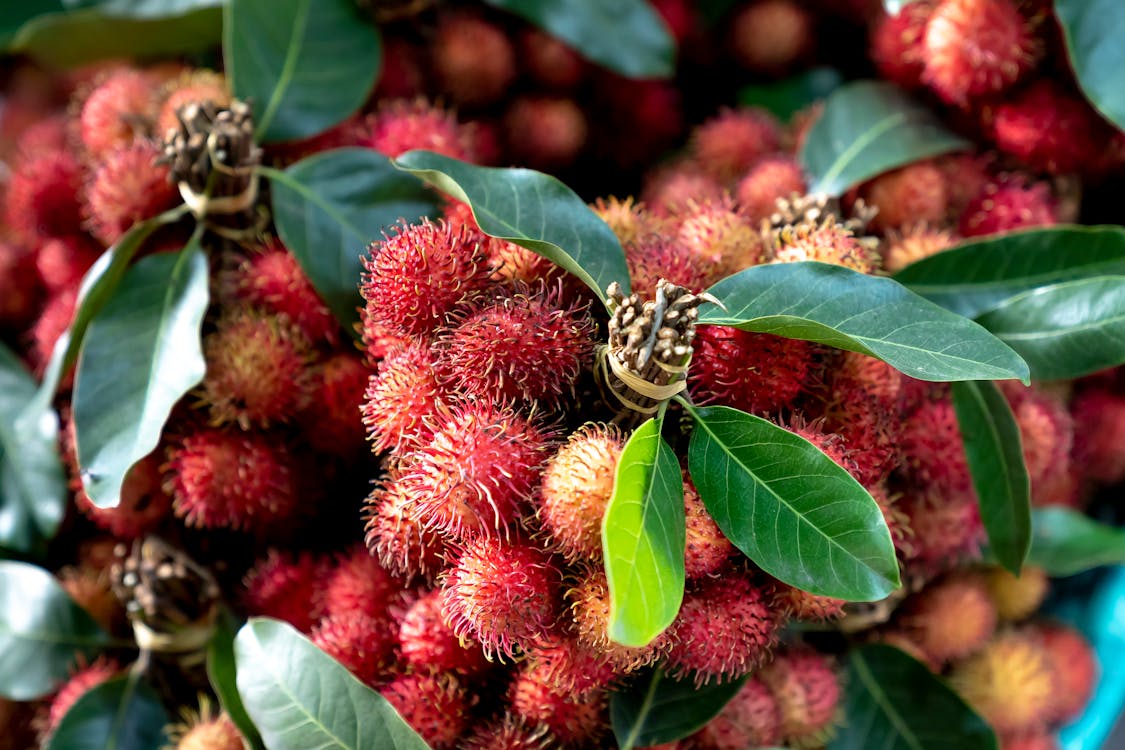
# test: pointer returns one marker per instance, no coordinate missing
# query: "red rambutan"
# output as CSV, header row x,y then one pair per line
x,y
364,645
62,262
41,199
1007,206
1099,440
717,235
1075,669
574,722
897,44
506,733
331,418
396,536
950,619
401,399
21,297
777,176
729,144
770,36
945,526
142,506
807,689
569,667
1010,682
123,106
81,682
53,321
932,449
706,550
435,705
914,193
1048,128
752,718
428,643
472,58
672,188
545,132
126,187
550,61
359,584
287,587
399,126
194,87
658,257
1046,432
756,372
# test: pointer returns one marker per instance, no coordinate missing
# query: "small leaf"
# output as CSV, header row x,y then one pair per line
x,y
143,8
304,65
876,316
1065,330
42,632
142,354
300,697
330,206
995,456
895,703
1065,542
976,276
625,36
788,97
791,509
221,674
33,491
533,210
121,714
643,539
1093,30
656,709
867,128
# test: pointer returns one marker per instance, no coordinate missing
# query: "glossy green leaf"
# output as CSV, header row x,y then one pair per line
x,y
530,209
121,714
304,65
626,36
42,632
300,697
867,128
1093,30
222,675
141,355
329,207
868,314
788,97
995,456
143,8
33,489
1064,330
655,709
791,509
895,703
976,276
1066,542
14,15
643,538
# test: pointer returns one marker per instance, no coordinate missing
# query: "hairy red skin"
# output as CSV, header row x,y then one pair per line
x,y
569,667
932,448
20,301
721,239
1075,667
399,126
473,60
756,372
1050,128
589,610
436,705
127,186
81,682
658,257
364,645
429,643
42,197
706,549
752,718
507,733
897,44
143,504
729,144
771,36
773,177
53,321
545,132
359,584
914,193
572,721
945,527
332,421
1007,206
287,587
808,692
401,400
801,605
396,535
1099,441
63,262
122,107
673,188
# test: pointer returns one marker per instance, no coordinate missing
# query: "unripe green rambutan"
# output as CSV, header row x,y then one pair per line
x,y
435,705
1010,682
952,618
752,718
807,689
1017,597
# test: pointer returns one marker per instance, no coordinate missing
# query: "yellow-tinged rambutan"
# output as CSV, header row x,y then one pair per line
x,y
399,126
1010,682
706,549
428,643
752,718
801,605
773,177
913,243
662,257
770,36
755,372
1017,597
574,722
826,242
287,587
127,186
122,107
630,220
718,235
436,705
206,731
396,536
363,644
952,618
807,689
589,610
726,146
473,59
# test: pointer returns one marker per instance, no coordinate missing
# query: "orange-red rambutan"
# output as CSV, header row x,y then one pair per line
x,y
473,59
672,188
808,691
122,107
777,176
127,186
332,421
401,399
752,718
81,682
945,526
801,605
1007,206
399,126
436,705
428,643
287,587
1099,440
53,321
572,721
730,143
41,199
396,536
913,243
706,550
270,278
507,733
719,236
658,257
755,372
545,131
950,619
365,645
630,220
770,36
1075,668
190,87
897,44
932,448
569,667
914,193
589,609
61,262
359,584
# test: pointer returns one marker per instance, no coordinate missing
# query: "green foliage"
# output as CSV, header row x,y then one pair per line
x,y
143,8
786,98
221,673
14,15
1093,30
1065,542
121,714
656,709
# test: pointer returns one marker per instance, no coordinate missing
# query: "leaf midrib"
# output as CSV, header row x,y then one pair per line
x,y
857,146
883,702
288,68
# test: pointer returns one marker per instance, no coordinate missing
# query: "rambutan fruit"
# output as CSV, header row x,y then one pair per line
x,y
20,301
589,609
773,177
41,199
770,36
428,643
399,126
752,718
1007,206
219,478
1099,440
1046,431
332,419
523,345
396,536
826,242
1075,669
550,61
1048,128
61,262
53,321
726,146
718,235
952,618
1010,683
545,132
142,505
401,398
896,519
756,372
508,732
576,487
1017,597
190,87
81,682
122,107
976,48
661,257
723,631
127,186
630,221
46,134
287,587
574,722
569,667
208,733
945,526
271,279
90,589
801,605
359,584
869,429
932,448
914,193
706,549
871,376
898,44
506,595
472,58
403,75
913,243
419,275
672,188
436,705
807,689
257,370
514,264
1033,741
364,645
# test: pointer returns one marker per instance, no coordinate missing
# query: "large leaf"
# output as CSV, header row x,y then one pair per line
x,y
14,15
895,703
978,275
995,456
1065,542
626,36
533,210
330,206
304,65
785,98
143,8
142,354
643,538
33,488
222,675
656,709
121,714
1093,30
839,307
1065,330
867,128
796,513
300,697
42,632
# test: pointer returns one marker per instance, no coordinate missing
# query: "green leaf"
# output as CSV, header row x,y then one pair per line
x,y
656,709
42,632
876,316
995,456
222,675
142,354
330,206
121,714
33,491
300,697
1065,542
625,36
867,128
304,65
14,15
533,210
143,8
895,703
976,276
787,98
1093,30
69,39
1064,330
791,509
643,538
